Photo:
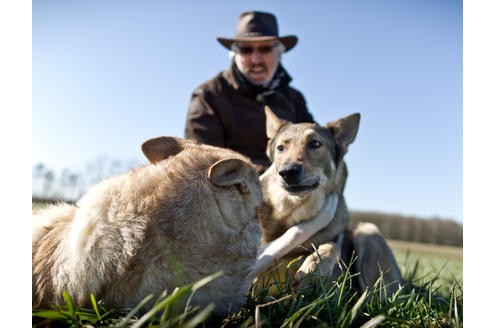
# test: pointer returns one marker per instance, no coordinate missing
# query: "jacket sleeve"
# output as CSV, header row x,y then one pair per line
x,y
202,122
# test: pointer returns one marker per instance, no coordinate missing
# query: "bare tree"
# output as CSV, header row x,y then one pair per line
x,y
49,178
70,185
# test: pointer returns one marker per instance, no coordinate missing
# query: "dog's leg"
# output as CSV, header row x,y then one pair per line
x,y
322,261
294,236
375,259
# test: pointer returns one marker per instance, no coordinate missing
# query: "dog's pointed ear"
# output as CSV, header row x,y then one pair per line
x,y
160,148
345,130
273,123
231,171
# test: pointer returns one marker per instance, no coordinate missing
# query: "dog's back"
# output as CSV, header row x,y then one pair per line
x,y
155,228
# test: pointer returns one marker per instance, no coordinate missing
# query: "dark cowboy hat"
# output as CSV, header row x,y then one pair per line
x,y
258,26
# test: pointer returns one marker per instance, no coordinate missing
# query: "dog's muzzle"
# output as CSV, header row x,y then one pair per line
x,y
294,180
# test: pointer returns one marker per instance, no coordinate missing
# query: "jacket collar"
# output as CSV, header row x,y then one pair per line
x,y
280,80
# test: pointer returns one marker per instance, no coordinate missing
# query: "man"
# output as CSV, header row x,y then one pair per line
x,y
228,110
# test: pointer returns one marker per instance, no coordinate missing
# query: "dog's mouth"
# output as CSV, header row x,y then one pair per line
x,y
300,188
294,179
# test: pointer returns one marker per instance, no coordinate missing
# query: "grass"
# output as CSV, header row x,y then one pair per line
x,y
442,262
38,206
431,297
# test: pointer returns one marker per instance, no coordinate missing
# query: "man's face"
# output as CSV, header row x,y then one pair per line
x,y
258,60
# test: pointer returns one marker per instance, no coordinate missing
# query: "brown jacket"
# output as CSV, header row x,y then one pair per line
x,y
228,113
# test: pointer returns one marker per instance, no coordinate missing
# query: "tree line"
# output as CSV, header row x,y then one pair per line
x,y
68,185
408,228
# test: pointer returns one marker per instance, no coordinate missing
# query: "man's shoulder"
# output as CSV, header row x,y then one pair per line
x,y
293,92
215,84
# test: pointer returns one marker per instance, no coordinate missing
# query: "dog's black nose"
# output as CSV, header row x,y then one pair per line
x,y
290,172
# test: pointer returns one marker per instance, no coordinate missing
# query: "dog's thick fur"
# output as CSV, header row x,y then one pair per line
x,y
308,166
186,216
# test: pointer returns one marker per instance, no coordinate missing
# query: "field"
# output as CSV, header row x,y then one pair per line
x,y
433,260
432,297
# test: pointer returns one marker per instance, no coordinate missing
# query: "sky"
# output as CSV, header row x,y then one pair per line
x,y
108,75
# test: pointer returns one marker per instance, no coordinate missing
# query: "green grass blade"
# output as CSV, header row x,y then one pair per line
x,y
174,297
51,314
374,322
200,317
200,283
355,309
69,302
95,305
197,285
125,321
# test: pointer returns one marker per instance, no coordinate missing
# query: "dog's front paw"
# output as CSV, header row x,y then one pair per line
x,y
299,279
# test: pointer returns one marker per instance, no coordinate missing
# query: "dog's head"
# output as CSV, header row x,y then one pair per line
x,y
227,168
306,156
208,174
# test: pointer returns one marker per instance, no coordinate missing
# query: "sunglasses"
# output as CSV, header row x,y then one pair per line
x,y
247,50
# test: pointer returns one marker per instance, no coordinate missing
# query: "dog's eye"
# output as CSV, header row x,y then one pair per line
x,y
280,148
314,144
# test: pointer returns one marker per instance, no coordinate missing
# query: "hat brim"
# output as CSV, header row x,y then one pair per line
x,y
288,41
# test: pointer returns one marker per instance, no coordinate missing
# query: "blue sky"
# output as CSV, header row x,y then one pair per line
x,y
108,75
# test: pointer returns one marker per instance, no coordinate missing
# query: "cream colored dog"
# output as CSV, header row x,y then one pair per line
x,y
186,216
304,212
